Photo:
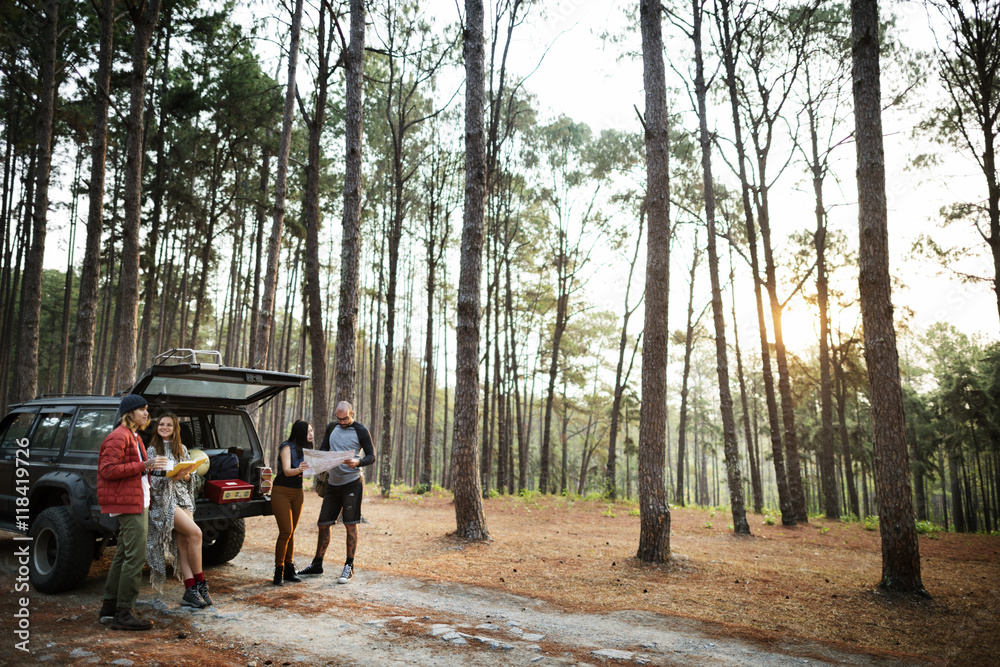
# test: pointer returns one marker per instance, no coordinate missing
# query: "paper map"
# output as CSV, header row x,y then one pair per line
x,y
322,461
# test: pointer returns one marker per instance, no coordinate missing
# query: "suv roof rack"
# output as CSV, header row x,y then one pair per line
x,y
184,355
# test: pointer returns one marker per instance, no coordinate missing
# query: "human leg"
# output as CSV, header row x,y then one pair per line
x,y
327,517
296,511
188,536
281,507
132,541
352,516
125,579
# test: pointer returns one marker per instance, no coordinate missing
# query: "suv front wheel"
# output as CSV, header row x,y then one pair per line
x,y
61,551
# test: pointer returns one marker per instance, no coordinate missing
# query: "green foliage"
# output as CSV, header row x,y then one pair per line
x,y
823,530
871,522
769,520
928,528
708,524
421,489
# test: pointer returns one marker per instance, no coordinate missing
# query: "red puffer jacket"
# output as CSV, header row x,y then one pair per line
x,y
120,468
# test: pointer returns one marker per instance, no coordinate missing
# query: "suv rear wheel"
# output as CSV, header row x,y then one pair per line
x,y
61,552
227,545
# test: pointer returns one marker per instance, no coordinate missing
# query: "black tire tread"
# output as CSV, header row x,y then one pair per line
x,y
74,551
227,545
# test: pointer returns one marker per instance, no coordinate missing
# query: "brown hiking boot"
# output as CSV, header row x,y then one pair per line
x,y
126,619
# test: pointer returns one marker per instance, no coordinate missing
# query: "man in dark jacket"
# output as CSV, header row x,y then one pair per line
x,y
123,492
345,488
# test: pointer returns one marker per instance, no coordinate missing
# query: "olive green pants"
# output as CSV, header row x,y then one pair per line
x,y
125,575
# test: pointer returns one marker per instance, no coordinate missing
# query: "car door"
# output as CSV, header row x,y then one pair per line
x,y
14,430
209,384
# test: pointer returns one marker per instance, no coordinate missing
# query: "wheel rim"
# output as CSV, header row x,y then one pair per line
x,y
45,551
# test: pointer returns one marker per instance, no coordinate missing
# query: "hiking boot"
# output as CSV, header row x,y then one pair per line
x,y
277,575
346,575
313,569
290,573
192,599
108,609
125,619
202,587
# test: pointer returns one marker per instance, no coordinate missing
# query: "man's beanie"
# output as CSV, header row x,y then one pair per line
x,y
129,403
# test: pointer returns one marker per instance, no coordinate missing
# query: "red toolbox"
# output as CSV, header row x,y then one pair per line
x,y
224,491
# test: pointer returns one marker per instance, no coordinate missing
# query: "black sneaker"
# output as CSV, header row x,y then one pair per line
x,y
192,599
108,610
202,587
125,619
345,576
314,569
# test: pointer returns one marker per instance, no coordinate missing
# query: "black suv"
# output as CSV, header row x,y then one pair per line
x,y
48,461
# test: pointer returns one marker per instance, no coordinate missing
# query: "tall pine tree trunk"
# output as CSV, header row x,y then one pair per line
x,y
682,426
143,15
350,245
26,369
654,512
264,323
777,452
897,527
469,518
730,446
317,339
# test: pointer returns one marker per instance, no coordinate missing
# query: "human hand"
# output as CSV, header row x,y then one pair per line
x,y
157,463
352,463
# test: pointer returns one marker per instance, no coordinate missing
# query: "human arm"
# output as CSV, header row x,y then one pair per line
x,y
115,460
365,442
286,461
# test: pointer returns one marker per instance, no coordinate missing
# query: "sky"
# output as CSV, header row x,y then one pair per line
x,y
576,73
584,77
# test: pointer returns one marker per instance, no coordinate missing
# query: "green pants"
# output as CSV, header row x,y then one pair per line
x,y
125,576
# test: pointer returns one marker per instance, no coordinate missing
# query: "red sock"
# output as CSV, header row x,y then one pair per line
x,y
200,577
188,583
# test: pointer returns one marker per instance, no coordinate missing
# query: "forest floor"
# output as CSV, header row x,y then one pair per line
x,y
557,584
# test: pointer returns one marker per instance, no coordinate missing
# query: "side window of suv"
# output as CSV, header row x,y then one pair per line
x,y
17,427
92,426
52,429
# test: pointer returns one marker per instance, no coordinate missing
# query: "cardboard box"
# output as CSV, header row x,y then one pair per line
x,y
228,491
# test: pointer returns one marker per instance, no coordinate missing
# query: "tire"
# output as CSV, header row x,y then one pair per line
x,y
61,551
228,542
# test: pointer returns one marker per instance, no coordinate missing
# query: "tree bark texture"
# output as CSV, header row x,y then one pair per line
x,y
729,46
314,301
469,517
897,527
345,381
730,445
87,302
26,368
143,15
654,512
265,319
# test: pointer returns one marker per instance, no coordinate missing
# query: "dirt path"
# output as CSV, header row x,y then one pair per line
x,y
388,620
378,619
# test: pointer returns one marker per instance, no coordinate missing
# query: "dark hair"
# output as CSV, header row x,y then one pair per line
x,y
300,434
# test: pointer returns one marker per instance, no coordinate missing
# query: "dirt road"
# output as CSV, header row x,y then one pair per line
x,y
377,619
